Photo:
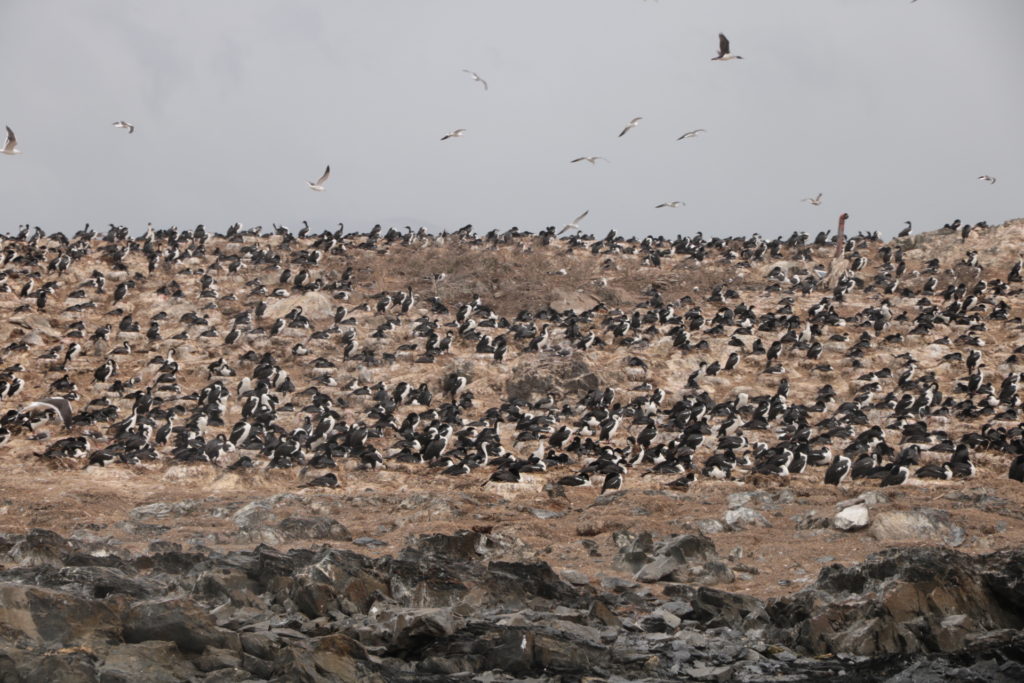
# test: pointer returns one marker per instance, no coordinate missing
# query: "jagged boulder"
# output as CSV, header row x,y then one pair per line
x,y
902,601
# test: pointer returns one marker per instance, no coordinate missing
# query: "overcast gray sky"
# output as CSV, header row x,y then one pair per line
x,y
889,108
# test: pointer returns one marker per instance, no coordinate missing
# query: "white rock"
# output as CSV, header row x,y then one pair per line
x,y
852,518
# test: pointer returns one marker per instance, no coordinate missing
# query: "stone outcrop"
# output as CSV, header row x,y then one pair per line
x,y
449,605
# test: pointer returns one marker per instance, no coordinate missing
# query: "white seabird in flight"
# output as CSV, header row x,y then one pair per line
x,y
670,205
574,225
815,201
691,134
723,50
629,126
10,147
318,186
54,407
457,133
592,160
476,77
124,124
987,178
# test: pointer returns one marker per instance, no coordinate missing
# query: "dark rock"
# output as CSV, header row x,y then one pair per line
x,y
682,558
539,376
228,675
214,658
514,584
314,528
224,581
335,575
66,666
48,617
40,547
262,644
99,582
902,601
416,628
718,608
153,662
179,621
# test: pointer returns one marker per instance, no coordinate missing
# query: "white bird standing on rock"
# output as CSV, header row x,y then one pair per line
x,y
318,186
10,147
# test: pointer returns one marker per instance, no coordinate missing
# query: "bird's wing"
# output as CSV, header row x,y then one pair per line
x,y
624,131
325,176
131,129
662,205
723,44
578,159
581,216
60,405
11,140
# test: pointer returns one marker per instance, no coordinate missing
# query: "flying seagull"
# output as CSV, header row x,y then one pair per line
x,y
457,133
987,178
632,124
574,225
670,205
816,201
55,406
10,148
318,186
691,134
476,77
592,160
723,50
124,124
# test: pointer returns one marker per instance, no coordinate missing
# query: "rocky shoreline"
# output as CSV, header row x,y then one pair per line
x,y
444,608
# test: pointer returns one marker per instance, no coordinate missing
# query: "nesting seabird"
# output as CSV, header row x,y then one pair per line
x,y
670,205
124,124
632,124
457,133
987,178
723,50
11,146
54,406
476,77
318,186
815,201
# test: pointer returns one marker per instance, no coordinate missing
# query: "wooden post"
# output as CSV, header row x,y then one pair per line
x,y
840,236
837,267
